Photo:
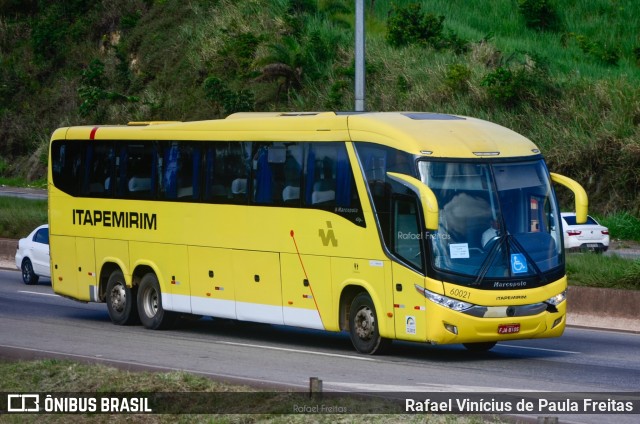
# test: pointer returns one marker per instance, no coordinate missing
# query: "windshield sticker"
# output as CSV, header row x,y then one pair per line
x,y
459,250
518,263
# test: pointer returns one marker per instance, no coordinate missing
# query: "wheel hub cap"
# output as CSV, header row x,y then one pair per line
x,y
365,323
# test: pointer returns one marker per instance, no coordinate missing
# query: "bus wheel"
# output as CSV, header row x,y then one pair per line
x,y
152,315
480,346
121,300
363,326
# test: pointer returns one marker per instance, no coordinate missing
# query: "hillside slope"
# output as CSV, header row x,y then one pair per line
x,y
570,80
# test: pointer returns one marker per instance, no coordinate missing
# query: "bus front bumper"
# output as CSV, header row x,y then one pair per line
x,y
451,326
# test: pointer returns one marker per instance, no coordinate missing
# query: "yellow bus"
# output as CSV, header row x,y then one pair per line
x,y
398,225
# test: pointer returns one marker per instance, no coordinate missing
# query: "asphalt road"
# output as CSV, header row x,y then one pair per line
x,y
36,322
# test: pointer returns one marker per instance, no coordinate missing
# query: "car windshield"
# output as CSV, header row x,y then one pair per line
x,y
495,220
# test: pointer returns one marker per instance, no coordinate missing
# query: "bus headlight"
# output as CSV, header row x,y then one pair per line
x,y
453,304
557,299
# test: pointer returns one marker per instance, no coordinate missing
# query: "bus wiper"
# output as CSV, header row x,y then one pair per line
x,y
486,264
506,240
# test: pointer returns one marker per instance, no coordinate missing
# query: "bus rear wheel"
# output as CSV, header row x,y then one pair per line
x,y
152,314
121,300
363,326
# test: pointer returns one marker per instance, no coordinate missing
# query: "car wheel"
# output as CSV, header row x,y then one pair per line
x,y
363,326
152,314
28,276
121,300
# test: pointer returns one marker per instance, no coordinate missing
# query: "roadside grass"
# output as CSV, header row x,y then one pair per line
x,y
623,226
596,270
18,217
51,376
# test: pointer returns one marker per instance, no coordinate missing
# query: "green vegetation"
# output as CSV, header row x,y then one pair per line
x,y
18,217
595,270
61,376
544,68
622,226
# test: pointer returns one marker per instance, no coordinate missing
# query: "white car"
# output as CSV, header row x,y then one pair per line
x,y
32,255
588,236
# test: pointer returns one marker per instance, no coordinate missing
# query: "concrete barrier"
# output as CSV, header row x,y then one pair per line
x,y
609,308
586,306
8,247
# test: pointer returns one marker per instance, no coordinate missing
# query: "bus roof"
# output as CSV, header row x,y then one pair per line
x,y
419,133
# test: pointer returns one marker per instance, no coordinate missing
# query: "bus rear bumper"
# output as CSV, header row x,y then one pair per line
x,y
456,327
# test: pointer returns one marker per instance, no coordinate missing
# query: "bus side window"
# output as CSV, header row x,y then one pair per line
x,y
139,170
277,174
292,174
67,158
320,188
99,166
226,172
329,182
180,172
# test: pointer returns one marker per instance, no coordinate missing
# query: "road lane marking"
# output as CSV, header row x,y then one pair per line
x,y
41,294
310,352
537,348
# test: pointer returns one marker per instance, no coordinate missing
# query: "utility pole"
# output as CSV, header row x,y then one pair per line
x,y
359,52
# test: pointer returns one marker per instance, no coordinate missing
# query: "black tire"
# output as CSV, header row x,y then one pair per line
x,y
363,327
121,300
152,314
28,276
479,346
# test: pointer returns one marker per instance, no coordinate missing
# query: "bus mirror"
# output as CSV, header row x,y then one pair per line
x,y
427,198
582,201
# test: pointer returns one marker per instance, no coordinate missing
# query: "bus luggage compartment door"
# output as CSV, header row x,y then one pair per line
x,y
258,288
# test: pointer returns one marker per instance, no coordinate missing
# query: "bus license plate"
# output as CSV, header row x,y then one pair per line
x,y
508,328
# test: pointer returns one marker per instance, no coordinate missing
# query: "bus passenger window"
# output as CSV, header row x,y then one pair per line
x,y
321,175
180,172
277,174
263,178
67,158
99,166
292,174
139,170
329,182
226,172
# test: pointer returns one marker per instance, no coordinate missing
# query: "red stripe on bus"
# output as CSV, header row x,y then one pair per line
x,y
92,136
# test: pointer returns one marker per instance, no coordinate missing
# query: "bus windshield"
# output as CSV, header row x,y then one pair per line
x,y
496,219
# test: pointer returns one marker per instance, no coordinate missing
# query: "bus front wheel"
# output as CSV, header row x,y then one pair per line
x,y
121,300
152,314
363,326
